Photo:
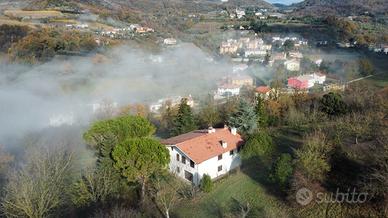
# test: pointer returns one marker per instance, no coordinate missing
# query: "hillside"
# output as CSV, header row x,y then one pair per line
x,y
341,7
151,5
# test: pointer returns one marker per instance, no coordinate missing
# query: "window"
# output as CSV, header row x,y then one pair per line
x,y
189,176
192,163
238,149
183,160
231,153
177,157
220,157
178,170
219,168
172,148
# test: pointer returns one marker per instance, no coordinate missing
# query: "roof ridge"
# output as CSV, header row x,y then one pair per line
x,y
206,134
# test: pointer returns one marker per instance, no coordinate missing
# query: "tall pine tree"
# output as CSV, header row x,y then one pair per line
x,y
184,121
261,113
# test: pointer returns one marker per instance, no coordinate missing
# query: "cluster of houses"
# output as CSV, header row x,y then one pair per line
x,y
260,13
250,47
126,32
247,49
171,101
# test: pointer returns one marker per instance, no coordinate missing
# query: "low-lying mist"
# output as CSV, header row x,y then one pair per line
x,y
65,90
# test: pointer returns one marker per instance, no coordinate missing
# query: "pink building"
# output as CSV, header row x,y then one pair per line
x,y
306,81
298,83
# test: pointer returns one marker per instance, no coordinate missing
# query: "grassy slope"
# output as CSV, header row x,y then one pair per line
x,y
249,183
238,185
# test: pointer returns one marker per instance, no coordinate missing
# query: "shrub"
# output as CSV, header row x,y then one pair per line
x,y
206,183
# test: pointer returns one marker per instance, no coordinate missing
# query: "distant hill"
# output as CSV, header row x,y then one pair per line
x,y
153,5
341,7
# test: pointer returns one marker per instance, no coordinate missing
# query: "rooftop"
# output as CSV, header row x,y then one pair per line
x,y
263,89
200,145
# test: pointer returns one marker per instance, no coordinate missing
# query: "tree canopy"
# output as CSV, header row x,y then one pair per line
x,y
332,104
244,119
184,121
139,158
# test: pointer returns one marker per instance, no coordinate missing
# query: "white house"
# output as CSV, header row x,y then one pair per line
x,y
227,90
169,41
213,152
172,101
292,65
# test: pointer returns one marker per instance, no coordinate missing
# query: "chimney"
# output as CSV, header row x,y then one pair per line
x,y
224,144
225,126
211,130
233,130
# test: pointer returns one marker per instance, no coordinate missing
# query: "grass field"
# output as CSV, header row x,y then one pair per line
x,y
239,186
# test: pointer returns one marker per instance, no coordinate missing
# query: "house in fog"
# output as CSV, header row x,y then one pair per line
x,y
292,65
227,90
169,41
213,152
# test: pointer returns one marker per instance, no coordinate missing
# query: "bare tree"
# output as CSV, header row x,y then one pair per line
x,y
38,187
165,193
95,185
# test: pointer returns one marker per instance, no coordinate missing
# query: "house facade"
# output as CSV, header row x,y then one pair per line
x,y
306,81
213,152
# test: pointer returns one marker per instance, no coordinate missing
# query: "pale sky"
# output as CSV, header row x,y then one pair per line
x,y
284,1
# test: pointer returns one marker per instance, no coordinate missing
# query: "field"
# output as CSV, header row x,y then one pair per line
x,y
238,186
32,14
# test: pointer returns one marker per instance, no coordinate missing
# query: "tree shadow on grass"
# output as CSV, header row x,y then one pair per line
x,y
259,171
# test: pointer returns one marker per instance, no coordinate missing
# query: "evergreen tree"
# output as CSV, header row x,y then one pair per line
x,y
282,170
261,113
206,183
184,121
245,119
333,105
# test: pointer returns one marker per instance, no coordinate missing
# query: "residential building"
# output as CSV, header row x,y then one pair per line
x,y
227,90
214,152
169,41
171,101
306,81
263,91
292,65
240,80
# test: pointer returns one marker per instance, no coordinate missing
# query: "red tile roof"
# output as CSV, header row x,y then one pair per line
x,y
200,145
263,89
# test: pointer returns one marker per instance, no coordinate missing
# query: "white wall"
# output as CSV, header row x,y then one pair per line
x,y
209,167
174,164
227,162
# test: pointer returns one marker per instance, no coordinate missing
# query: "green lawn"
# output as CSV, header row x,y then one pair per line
x,y
220,202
